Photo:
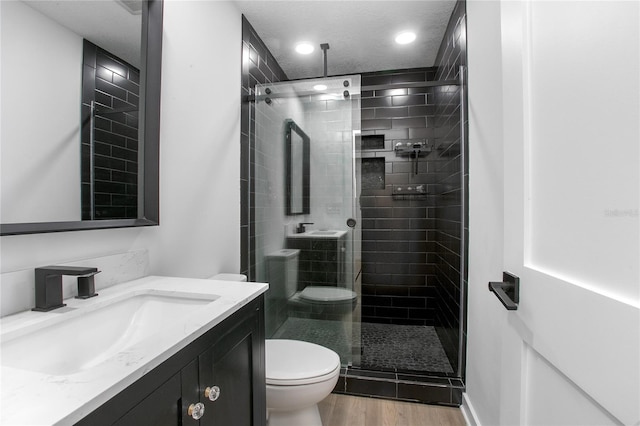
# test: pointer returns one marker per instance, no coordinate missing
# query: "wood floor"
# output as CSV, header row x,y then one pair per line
x,y
347,410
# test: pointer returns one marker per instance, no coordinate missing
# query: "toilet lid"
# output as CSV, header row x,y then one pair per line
x,y
327,294
293,362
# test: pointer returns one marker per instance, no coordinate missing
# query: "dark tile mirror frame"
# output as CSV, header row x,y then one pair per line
x,y
152,15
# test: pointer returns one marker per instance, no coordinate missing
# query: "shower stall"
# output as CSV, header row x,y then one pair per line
x,y
313,167
357,185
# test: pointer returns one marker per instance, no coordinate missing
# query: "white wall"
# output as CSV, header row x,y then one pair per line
x,y
199,232
485,207
41,93
200,140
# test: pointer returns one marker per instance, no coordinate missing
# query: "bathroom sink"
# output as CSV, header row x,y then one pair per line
x,y
80,339
325,233
58,366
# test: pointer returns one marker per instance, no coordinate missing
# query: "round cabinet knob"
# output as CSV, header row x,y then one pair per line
x,y
196,411
212,393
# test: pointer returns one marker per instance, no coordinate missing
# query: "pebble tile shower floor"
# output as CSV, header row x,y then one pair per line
x,y
403,347
384,346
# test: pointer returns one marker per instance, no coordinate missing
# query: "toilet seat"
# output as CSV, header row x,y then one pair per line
x,y
326,294
293,362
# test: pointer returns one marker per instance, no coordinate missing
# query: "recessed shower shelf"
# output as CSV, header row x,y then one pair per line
x,y
372,142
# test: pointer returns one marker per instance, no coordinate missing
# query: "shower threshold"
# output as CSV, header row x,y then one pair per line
x,y
400,386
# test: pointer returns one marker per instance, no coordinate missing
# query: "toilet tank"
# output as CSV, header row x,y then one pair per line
x,y
282,272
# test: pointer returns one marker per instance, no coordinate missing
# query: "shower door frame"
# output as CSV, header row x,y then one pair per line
x,y
346,88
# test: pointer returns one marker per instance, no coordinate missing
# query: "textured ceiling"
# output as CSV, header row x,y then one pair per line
x,y
360,33
107,24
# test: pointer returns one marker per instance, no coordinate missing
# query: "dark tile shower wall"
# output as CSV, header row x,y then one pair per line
x,y
398,232
258,67
113,85
451,214
402,284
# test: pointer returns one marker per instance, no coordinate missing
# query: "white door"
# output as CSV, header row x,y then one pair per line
x,y
571,74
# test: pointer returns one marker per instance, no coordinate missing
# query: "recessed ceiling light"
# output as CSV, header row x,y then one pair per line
x,y
405,37
304,48
319,87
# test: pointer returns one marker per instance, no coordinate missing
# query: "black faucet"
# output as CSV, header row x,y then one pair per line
x,y
49,285
300,229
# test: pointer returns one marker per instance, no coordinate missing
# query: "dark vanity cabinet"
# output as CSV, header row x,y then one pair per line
x,y
223,370
225,365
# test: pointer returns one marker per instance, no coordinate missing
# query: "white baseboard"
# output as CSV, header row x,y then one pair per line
x,y
470,416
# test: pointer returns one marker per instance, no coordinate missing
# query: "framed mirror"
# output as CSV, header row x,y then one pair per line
x,y
297,146
51,153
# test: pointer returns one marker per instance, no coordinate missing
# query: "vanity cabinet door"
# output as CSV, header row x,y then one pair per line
x,y
160,408
230,371
233,364
190,392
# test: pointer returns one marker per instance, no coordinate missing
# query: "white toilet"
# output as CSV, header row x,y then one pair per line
x,y
299,375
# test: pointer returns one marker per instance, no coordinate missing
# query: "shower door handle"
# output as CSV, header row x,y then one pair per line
x,y
507,291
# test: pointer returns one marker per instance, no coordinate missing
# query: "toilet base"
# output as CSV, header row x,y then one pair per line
x,y
309,416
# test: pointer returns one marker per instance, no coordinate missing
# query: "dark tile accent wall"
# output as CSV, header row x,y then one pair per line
x,y
321,261
398,234
451,214
114,87
258,67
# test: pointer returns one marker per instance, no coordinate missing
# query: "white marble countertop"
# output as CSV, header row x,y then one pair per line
x,y
34,398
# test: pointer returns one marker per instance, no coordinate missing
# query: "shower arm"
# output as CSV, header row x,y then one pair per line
x,y
325,47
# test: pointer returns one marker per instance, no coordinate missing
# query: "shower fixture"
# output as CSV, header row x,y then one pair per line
x,y
413,149
325,47
404,192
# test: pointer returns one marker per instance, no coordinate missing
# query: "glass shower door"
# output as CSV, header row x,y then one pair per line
x,y
307,215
